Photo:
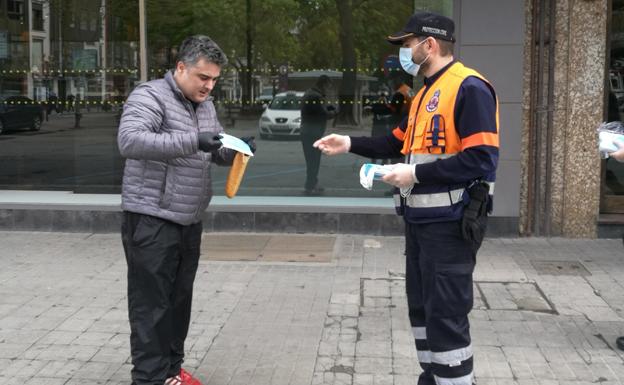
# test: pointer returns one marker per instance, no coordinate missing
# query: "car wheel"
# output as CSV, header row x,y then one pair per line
x,y
36,124
1,127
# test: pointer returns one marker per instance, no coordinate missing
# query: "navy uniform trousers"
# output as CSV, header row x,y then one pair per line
x,y
162,259
439,267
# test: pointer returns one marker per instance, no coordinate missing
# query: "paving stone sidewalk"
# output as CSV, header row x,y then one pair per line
x,y
547,311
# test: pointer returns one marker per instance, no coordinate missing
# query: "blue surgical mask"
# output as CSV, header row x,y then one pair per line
x,y
405,57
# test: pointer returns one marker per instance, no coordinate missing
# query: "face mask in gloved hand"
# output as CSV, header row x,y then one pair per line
x,y
370,172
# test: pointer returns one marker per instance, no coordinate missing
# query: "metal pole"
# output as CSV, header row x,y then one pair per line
x,y
142,41
30,82
103,52
60,44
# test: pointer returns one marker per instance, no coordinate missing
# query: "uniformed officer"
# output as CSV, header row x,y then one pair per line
x,y
450,144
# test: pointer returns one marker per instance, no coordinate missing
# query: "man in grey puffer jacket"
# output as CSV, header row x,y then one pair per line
x,y
169,134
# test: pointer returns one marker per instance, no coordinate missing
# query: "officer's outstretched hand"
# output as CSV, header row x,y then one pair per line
x,y
209,142
619,154
401,176
333,144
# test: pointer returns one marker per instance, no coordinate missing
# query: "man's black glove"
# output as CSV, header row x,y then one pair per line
x,y
250,142
209,142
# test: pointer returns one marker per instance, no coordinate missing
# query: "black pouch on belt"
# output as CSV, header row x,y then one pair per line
x,y
474,220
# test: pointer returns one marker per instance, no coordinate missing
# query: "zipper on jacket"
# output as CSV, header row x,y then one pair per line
x,y
203,156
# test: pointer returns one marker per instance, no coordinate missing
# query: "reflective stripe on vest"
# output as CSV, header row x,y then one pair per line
x,y
421,201
426,158
441,199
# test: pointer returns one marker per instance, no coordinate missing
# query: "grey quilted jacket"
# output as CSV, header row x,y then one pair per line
x,y
166,176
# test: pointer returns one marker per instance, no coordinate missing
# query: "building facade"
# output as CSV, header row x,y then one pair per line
x,y
557,66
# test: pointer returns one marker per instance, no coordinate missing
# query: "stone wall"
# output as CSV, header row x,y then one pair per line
x,y
572,188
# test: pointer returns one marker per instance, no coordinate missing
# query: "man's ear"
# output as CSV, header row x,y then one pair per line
x,y
430,42
434,44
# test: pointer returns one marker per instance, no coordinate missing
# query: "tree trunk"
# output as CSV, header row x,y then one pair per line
x,y
346,95
248,74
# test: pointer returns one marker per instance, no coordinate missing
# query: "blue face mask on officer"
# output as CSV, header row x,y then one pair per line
x,y
405,57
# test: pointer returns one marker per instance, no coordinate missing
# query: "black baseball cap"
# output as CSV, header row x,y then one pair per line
x,y
425,24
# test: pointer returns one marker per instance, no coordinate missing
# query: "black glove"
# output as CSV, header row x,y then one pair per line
x,y
209,142
250,142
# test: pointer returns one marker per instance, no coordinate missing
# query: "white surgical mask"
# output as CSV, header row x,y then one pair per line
x,y
405,57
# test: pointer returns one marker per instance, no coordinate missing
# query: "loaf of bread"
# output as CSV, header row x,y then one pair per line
x,y
235,176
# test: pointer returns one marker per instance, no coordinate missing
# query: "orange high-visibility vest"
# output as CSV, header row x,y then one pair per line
x,y
431,124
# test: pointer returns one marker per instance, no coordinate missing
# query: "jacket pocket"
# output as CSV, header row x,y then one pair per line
x,y
168,188
419,135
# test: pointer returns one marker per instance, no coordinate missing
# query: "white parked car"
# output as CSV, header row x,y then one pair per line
x,y
282,117
266,96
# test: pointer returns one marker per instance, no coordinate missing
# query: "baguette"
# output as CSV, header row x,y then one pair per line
x,y
235,176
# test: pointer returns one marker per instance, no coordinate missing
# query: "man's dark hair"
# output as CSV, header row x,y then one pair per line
x,y
446,47
198,47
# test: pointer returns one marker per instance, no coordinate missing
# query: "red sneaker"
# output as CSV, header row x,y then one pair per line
x,y
188,379
184,378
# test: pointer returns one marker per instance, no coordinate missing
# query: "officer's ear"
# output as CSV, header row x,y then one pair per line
x,y
442,48
432,44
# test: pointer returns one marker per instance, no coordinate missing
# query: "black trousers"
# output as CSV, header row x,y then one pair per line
x,y
439,267
162,259
312,155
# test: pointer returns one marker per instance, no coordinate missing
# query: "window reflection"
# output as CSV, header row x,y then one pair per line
x,y
614,176
79,60
287,101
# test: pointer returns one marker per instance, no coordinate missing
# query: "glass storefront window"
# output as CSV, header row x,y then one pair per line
x,y
72,72
273,61
613,175
62,85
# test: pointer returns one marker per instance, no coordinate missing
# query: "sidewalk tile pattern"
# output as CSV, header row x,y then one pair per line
x,y
63,315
